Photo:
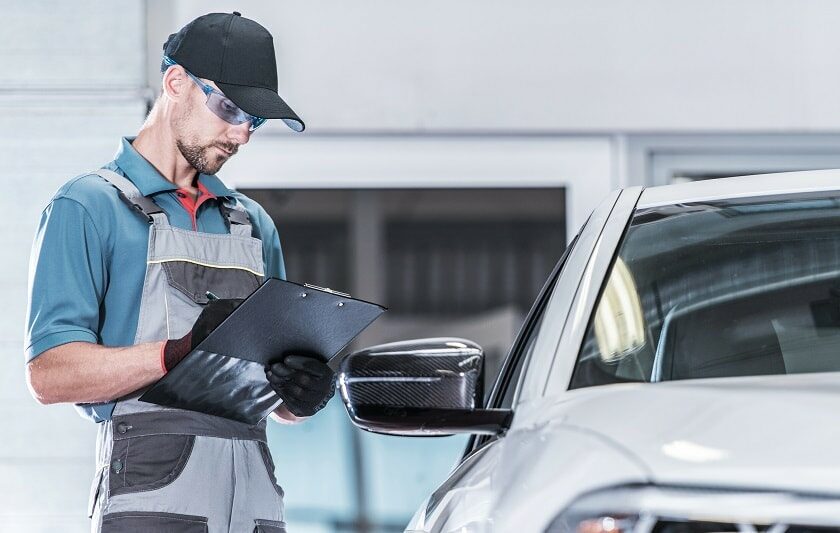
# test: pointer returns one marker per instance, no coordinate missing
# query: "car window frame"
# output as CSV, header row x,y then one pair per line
x,y
558,373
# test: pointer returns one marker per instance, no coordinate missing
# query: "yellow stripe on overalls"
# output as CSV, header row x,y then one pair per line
x,y
193,261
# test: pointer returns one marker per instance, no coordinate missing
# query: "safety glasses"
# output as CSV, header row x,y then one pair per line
x,y
221,105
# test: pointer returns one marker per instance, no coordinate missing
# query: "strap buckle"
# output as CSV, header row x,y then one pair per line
x,y
143,204
235,216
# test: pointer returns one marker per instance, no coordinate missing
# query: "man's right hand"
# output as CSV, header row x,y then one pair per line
x,y
213,314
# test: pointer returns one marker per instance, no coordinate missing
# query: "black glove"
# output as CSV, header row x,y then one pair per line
x,y
304,383
213,314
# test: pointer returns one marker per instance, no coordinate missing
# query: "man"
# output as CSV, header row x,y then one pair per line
x,y
120,273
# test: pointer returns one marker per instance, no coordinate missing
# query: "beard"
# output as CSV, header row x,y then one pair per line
x,y
202,158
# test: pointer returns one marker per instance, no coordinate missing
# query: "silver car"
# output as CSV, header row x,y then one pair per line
x,y
677,373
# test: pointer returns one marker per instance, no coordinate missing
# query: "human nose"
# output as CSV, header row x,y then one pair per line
x,y
240,133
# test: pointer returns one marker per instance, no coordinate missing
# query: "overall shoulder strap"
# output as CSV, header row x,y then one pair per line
x,y
237,218
130,194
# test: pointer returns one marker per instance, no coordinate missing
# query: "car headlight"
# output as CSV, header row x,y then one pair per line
x,y
651,509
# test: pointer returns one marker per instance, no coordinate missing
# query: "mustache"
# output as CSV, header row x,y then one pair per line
x,y
230,147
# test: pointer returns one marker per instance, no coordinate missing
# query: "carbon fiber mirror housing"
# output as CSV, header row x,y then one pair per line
x,y
419,387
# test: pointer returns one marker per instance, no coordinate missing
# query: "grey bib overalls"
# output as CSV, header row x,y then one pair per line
x,y
170,470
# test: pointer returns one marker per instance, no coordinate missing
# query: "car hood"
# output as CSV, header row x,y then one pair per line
x,y
769,432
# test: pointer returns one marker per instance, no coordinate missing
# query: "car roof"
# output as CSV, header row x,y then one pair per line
x,y
740,187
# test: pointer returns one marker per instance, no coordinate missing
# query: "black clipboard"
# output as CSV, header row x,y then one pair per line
x,y
225,374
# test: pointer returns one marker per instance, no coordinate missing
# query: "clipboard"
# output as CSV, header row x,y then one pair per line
x,y
225,374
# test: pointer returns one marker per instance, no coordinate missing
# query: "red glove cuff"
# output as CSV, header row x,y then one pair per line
x,y
174,350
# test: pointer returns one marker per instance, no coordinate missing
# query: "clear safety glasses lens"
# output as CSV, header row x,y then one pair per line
x,y
226,110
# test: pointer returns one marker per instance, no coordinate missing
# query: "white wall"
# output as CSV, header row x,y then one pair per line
x,y
71,81
553,66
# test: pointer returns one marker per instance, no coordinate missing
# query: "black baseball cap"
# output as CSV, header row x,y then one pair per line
x,y
238,55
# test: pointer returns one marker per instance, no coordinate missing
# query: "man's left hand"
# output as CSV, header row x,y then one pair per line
x,y
304,383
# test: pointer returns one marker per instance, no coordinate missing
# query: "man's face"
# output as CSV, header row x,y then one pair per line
x,y
205,140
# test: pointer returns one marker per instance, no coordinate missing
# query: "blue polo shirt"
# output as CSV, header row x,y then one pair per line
x,y
88,260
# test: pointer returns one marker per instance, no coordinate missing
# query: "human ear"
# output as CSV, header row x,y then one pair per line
x,y
175,82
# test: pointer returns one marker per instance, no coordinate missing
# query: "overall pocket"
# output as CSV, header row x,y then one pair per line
x,y
269,466
148,462
193,280
145,522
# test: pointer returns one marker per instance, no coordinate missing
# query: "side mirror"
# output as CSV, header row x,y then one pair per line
x,y
419,387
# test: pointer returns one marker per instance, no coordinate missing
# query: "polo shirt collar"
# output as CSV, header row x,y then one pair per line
x,y
214,185
149,181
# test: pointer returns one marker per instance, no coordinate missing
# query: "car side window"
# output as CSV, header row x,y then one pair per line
x,y
505,387
507,397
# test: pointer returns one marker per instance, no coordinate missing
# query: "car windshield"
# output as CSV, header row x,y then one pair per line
x,y
740,287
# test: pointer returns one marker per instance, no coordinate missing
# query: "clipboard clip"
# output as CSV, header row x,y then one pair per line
x,y
325,289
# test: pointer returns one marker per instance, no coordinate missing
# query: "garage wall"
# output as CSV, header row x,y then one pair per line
x,y
71,80
548,65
